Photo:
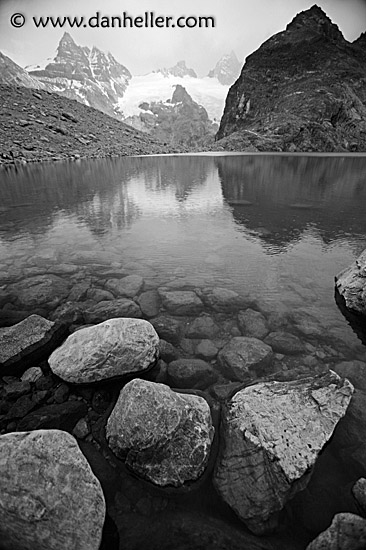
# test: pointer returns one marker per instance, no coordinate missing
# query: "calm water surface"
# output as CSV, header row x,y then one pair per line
x,y
276,228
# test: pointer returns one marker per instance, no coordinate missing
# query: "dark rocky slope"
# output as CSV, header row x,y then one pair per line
x,y
36,125
302,90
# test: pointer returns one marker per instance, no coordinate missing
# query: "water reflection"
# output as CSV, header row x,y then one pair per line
x,y
279,198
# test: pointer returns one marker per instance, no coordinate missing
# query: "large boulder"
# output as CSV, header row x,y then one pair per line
x,y
347,532
27,340
272,434
116,347
49,496
351,285
163,436
244,356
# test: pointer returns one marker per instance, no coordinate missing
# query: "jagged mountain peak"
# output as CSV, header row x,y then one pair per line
x,y
180,95
180,69
227,69
314,21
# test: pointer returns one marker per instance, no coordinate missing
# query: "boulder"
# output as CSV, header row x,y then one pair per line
x,y
149,303
181,302
168,328
202,328
40,291
49,496
252,323
243,356
347,532
28,340
163,436
191,373
113,348
129,286
272,434
285,342
108,309
351,285
223,299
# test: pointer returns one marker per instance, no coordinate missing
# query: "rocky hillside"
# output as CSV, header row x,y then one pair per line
x,y
13,75
227,69
178,121
302,90
39,125
87,75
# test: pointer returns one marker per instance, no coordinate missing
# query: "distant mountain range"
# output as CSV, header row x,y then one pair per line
x,y
302,90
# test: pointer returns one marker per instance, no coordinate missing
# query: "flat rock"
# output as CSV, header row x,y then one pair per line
x,y
285,342
163,436
253,324
128,286
108,309
347,532
49,496
40,291
272,435
116,347
181,302
24,341
191,373
351,285
243,356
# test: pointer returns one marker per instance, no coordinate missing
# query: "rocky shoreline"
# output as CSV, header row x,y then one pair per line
x,y
180,392
39,126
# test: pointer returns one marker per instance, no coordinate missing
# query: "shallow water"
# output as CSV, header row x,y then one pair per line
x,y
274,228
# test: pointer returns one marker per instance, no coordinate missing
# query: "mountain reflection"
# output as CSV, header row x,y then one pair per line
x,y
277,198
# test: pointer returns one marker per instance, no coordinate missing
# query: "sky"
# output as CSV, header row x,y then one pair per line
x,y
240,25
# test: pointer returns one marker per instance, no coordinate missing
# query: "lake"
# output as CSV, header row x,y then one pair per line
x,y
274,229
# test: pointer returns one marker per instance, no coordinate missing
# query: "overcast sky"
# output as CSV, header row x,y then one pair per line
x,y
241,25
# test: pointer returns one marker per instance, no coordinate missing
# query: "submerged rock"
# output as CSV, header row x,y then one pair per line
x,y
223,299
285,342
202,328
20,342
128,286
272,435
359,493
243,356
181,302
347,532
113,348
163,436
39,291
49,496
191,373
351,285
253,323
108,309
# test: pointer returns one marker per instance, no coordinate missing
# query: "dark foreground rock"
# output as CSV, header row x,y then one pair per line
x,y
272,435
164,437
114,348
29,339
347,532
351,285
49,496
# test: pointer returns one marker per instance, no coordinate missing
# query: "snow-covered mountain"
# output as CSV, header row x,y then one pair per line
x,y
88,75
157,87
227,69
